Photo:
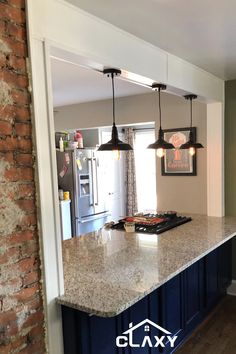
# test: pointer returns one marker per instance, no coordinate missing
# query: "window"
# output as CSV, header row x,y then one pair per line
x,y
145,165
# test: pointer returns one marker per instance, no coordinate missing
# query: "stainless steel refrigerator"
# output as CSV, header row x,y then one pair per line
x,y
80,174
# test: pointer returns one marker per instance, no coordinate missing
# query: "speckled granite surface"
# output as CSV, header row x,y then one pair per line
x,y
107,271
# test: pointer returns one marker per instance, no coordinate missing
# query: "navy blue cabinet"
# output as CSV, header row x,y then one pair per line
x,y
224,267
211,280
172,301
193,294
177,306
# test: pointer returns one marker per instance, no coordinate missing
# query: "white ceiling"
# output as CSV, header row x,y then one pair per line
x,y
74,84
200,31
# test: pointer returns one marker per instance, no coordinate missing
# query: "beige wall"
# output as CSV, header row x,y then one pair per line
x,y
187,194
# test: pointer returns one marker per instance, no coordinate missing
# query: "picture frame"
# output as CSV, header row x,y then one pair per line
x,y
178,162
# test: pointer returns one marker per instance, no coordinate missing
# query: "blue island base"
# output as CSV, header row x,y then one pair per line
x,y
172,312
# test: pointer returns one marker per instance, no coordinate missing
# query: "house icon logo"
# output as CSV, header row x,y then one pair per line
x,y
146,328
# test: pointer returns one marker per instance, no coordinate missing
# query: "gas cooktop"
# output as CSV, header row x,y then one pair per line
x,y
153,223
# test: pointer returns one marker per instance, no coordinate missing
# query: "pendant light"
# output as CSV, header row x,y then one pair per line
x,y
191,144
115,144
160,145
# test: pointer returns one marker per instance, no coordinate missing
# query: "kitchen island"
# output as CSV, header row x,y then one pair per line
x,y
114,278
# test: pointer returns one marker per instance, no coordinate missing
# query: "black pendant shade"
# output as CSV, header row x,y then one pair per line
x,y
115,143
191,143
160,143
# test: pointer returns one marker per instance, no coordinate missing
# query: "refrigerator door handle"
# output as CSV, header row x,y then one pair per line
x,y
96,179
97,217
91,192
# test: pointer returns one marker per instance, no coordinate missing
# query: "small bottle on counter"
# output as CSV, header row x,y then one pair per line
x,y
61,144
66,195
79,139
61,194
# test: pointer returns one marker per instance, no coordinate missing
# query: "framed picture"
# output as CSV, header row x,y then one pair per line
x,y
178,162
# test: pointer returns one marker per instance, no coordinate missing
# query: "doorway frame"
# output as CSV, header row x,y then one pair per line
x,y
75,39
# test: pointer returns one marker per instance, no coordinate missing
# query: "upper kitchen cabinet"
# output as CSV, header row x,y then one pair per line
x,y
90,137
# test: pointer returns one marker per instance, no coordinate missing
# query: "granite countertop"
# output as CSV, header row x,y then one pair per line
x,y
107,271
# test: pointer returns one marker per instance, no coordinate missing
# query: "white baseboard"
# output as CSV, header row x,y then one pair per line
x,y
232,288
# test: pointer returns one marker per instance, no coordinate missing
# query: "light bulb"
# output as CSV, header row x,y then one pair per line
x,y
160,152
116,154
192,151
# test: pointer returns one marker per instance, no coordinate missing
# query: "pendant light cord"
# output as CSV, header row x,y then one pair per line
x,y
159,95
113,97
191,113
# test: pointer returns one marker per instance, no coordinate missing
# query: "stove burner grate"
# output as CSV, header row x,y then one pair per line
x,y
169,223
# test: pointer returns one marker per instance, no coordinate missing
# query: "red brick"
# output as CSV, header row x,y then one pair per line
x,y
22,114
22,81
24,159
17,3
8,331
22,129
12,14
29,220
7,113
8,144
26,190
5,349
19,251
18,64
33,318
20,97
35,303
17,344
19,174
37,332
8,157
2,26
2,60
35,347
18,32
11,255
21,237
7,317
27,204
29,249
31,278
14,79
26,293
25,145
14,143
26,265
5,128
16,47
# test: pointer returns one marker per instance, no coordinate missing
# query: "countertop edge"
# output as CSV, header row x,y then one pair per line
x,y
62,301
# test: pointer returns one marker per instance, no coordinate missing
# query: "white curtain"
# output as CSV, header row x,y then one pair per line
x,y
131,192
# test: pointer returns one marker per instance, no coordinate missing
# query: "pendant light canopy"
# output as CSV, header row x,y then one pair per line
x,y
115,144
191,144
160,144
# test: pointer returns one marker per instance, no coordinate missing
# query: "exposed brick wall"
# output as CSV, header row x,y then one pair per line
x,y
21,310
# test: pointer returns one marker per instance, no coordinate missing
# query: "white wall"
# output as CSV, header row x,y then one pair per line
x,y
182,193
